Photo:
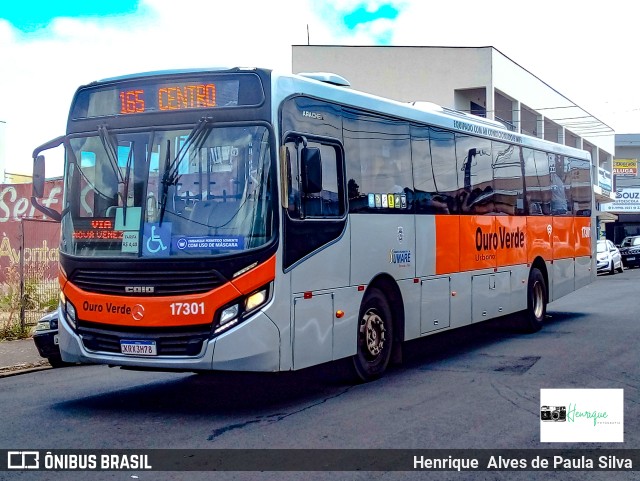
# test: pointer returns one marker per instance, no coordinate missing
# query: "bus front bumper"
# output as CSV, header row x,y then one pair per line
x,y
253,345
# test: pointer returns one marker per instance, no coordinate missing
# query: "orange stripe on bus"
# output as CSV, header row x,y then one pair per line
x,y
539,237
582,234
563,238
187,310
257,277
171,311
447,246
478,242
467,243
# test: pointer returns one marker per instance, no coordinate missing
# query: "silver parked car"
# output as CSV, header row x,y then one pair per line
x,y
608,257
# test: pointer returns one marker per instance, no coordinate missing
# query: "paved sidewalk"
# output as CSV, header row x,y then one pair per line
x,y
17,357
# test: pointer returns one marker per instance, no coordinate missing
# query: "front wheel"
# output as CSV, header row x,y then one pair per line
x,y
375,336
533,317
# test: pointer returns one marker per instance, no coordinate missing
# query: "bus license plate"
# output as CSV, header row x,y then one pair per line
x,y
138,348
631,258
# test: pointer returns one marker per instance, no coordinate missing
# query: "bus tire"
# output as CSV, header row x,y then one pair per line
x,y
375,336
533,317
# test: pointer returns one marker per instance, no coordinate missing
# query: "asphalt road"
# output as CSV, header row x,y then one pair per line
x,y
476,387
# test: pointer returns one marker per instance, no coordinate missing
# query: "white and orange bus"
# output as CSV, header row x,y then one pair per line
x,y
236,219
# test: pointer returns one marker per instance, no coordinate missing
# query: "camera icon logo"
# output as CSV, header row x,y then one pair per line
x,y
553,413
23,459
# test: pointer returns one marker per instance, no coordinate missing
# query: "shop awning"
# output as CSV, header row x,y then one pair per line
x,y
604,216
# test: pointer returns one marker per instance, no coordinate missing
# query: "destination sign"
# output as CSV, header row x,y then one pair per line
x,y
170,93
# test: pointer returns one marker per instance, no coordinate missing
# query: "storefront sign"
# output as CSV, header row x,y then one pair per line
x,y
626,200
625,167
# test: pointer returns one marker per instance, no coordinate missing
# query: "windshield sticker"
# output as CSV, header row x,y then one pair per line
x,y
131,242
209,243
156,241
128,219
387,201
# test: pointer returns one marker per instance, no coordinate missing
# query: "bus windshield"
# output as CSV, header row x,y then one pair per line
x,y
162,193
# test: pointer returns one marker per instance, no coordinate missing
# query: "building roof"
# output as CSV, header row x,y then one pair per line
x,y
627,140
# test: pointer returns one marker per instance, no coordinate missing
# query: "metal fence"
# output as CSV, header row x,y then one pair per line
x,y
38,269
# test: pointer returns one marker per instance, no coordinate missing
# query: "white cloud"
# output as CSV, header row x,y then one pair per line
x,y
581,51
47,66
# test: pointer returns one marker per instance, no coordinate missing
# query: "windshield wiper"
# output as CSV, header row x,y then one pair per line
x,y
110,149
170,176
127,177
165,182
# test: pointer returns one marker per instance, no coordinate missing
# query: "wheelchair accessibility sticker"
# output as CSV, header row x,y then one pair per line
x,y
156,240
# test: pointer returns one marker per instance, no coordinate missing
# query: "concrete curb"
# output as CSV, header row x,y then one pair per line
x,y
8,371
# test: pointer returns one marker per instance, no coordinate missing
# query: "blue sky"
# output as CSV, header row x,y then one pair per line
x,y
53,46
31,15
365,14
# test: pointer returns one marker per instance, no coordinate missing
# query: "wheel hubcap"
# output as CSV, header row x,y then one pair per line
x,y
538,300
374,332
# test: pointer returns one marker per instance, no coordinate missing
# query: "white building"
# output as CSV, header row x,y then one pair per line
x,y
626,207
479,80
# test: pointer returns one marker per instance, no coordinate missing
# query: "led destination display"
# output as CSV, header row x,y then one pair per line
x,y
150,95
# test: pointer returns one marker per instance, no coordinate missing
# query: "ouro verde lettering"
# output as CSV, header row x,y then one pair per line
x,y
503,239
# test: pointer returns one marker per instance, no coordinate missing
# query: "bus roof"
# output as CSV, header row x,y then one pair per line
x,y
286,85
336,89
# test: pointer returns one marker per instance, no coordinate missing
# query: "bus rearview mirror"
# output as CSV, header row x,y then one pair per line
x,y
38,177
311,170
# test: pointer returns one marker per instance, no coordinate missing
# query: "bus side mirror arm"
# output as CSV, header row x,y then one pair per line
x,y
48,211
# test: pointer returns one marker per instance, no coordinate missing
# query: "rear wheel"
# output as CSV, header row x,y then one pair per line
x,y
375,336
533,317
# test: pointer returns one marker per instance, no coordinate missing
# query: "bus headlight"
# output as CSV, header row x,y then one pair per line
x,y
69,311
238,312
228,318
255,300
229,314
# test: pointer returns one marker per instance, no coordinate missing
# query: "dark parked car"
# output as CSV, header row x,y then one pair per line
x,y
46,339
630,251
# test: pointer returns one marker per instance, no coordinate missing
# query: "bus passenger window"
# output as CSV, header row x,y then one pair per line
x,y
329,202
560,186
426,198
581,186
474,163
507,179
378,158
537,181
445,172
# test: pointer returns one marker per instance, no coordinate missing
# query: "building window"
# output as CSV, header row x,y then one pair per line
x,y
477,109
